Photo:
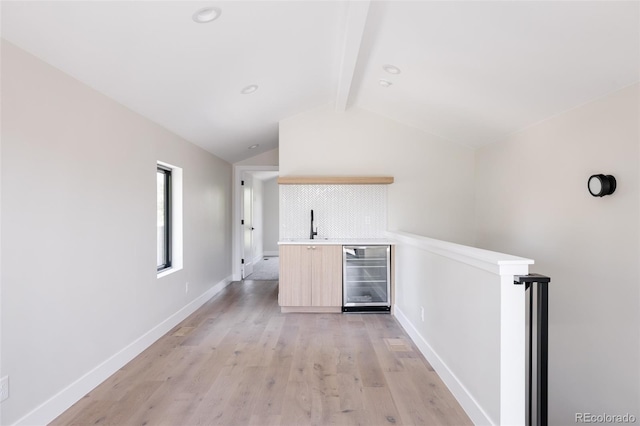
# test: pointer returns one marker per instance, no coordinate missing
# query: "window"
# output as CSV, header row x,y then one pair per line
x,y
164,230
169,219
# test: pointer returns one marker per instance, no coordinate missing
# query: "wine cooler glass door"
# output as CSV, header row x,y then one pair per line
x,y
366,276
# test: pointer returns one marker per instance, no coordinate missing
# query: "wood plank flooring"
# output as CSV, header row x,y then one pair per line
x,y
239,361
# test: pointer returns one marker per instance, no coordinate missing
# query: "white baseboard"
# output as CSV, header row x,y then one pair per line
x,y
56,405
257,258
475,412
271,253
217,288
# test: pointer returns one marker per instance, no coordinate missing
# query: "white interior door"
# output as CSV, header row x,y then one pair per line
x,y
247,226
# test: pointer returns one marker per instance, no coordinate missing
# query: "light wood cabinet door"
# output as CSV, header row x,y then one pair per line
x,y
326,276
295,276
310,275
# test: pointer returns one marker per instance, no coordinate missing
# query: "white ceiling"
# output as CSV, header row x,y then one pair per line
x,y
472,72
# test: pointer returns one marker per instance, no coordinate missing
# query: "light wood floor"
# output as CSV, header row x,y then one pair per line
x,y
239,361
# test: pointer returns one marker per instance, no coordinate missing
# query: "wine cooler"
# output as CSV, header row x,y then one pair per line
x,y
366,278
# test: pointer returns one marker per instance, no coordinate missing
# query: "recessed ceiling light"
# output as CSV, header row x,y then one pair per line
x,y
206,14
391,69
254,146
249,89
385,83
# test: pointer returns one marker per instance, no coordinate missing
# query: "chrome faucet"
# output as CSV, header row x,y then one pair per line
x,y
313,233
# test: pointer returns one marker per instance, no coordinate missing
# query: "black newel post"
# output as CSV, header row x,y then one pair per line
x,y
542,346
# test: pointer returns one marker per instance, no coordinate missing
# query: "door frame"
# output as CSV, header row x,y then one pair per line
x,y
247,213
236,215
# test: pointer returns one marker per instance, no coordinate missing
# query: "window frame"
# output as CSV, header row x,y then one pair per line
x,y
168,216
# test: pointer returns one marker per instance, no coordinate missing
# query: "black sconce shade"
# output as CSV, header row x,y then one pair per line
x,y
601,185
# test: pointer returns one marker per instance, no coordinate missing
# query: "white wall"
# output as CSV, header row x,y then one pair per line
x,y
459,305
271,218
268,158
1,174
461,326
533,201
78,218
433,190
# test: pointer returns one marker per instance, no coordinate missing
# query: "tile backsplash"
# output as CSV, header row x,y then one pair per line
x,y
340,211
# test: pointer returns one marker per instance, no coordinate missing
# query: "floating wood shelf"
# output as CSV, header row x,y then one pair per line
x,y
335,180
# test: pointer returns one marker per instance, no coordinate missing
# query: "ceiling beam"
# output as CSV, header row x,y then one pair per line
x,y
356,21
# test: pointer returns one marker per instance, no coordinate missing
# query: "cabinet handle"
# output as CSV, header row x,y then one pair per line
x,y
313,247
308,247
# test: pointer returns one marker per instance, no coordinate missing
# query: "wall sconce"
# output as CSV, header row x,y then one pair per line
x,y
601,185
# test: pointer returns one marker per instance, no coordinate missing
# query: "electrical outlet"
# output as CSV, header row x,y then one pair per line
x,y
4,388
186,288
422,313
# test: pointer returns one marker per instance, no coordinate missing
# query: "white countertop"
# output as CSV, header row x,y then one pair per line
x,y
338,241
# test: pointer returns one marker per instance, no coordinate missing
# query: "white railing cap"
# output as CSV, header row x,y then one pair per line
x,y
491,261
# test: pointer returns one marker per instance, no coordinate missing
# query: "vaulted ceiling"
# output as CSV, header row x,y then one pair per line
x,y
470,72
